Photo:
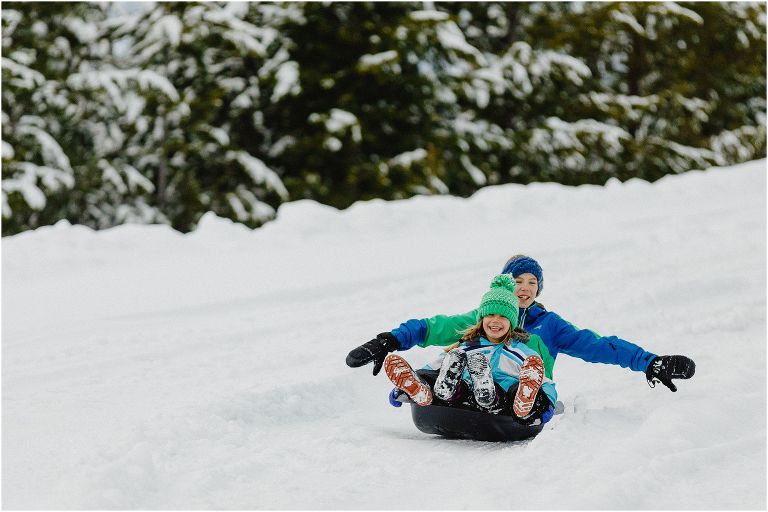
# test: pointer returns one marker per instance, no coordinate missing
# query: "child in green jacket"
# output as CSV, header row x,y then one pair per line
x,y
493,368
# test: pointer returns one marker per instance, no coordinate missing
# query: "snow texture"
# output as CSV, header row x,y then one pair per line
x,y
408,158
259,172
372,61
287,81
146,369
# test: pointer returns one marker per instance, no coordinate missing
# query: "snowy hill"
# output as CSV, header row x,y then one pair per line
x,y
143,368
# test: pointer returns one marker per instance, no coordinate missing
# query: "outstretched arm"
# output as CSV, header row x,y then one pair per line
x,y
444,330
590,346
438,330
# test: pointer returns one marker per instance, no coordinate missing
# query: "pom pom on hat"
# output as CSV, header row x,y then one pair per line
x,y
520,264
500,300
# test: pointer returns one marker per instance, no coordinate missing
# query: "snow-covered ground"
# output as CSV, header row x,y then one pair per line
x,y
143,368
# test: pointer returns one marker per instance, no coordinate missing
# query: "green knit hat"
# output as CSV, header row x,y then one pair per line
x,y
500,300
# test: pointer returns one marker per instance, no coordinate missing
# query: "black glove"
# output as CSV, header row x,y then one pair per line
x,y
665,368
375,350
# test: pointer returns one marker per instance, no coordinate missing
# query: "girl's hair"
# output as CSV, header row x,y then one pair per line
x,y
477,330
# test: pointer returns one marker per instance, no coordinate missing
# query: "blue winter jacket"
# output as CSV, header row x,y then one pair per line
x,y
558,335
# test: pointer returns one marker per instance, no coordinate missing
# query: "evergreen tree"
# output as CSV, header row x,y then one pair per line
x,y
670,77
209,151
408,105
517,121
175,109
64,106
362,110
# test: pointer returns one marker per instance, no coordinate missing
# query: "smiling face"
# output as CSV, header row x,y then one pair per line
x,y
495,327
526,287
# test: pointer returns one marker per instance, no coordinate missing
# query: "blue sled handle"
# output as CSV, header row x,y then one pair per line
x,y
393,398
398,397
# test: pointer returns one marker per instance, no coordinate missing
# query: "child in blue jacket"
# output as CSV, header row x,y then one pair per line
x,y
493,368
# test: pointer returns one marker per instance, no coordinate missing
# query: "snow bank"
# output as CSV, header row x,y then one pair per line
x,y
143,368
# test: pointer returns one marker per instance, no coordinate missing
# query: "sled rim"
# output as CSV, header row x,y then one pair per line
x,y
453,423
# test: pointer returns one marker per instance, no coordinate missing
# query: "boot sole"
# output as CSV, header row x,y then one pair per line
x,y
448,380
482,382
531,379
403,377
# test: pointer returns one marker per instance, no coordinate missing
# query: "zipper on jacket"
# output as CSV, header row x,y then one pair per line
x,y
521,320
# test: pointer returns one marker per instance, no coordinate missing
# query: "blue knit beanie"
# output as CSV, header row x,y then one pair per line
x,y
521,264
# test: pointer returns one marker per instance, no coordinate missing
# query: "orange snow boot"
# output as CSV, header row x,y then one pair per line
x,y
531,379
402,375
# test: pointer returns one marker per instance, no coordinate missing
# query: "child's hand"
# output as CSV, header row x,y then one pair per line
x,y
375,350
665,368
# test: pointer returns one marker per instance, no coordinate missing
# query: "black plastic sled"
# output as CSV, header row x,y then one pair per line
x,y
467,424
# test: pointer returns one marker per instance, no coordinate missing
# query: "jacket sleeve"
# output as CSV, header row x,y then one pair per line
x,y
593,348
444,330
410,333
439,330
